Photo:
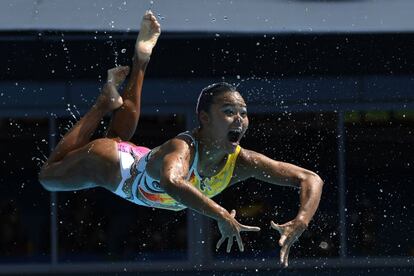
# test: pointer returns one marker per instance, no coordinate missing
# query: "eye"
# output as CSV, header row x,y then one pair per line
x,y
229,112
243,113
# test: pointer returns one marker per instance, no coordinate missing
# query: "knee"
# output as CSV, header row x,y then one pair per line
x,y
46,180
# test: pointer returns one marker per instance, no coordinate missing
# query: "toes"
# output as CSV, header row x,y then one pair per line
x,y
148,15
125,69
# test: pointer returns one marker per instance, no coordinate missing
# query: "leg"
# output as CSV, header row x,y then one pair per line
x,y
59,163
80,133
95,164
125,119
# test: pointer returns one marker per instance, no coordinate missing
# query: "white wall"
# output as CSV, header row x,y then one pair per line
x,y
246,16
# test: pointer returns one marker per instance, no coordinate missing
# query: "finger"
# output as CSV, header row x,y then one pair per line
x,y
293,237
288,244
233,213
276,227
220,242
229,244
240,242
286,257
249,228
282,240
282,254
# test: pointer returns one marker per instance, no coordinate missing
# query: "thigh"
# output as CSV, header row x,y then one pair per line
x,y
95,164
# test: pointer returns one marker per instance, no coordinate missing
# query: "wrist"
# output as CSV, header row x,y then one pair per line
x,y
223,214
303,220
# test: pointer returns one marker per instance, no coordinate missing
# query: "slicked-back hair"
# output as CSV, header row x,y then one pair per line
x,y
207,95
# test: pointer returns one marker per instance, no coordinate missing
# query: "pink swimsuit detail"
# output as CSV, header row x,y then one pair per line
x,y
138,151
129,157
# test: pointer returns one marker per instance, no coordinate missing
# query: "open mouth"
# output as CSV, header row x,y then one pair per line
x,y
234,135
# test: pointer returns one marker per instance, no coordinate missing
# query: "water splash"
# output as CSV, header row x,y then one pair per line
x,y
67,54
71,112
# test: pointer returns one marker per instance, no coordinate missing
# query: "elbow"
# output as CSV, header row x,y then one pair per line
x,y
46,180
171,185
43,179
318,180
313,179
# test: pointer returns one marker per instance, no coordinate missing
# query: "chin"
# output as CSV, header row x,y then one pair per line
x,y
231,148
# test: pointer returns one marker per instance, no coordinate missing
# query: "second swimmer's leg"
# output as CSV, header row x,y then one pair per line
x,y
70,154
125,119
81,132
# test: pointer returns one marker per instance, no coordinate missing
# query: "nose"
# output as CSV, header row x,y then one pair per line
x,y
238,118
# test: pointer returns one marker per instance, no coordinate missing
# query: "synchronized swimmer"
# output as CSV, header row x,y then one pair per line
x,y
184,172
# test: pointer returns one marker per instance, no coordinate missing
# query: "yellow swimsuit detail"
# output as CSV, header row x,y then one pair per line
x,y
209,186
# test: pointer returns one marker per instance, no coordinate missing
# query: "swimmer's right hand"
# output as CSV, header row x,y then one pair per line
x,y
230,228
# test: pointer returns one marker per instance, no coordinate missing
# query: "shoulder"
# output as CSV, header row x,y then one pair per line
x,y
249,157
181,145
178,151
251,163
247,160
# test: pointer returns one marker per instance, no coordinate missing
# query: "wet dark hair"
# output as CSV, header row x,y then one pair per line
x,y
207,95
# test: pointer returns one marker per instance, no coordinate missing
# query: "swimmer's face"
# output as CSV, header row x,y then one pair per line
x,y
227,120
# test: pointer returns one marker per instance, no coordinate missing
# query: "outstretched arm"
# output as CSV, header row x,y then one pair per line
x,y
174,169
263,168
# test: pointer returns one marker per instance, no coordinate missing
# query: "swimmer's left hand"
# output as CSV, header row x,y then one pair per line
x,y
289,233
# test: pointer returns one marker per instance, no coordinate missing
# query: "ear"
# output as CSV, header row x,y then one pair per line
x,y
204,118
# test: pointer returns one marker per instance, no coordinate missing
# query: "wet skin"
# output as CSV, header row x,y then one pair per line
x,y
227,112
171,163
77,163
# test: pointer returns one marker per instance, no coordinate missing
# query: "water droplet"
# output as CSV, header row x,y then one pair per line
x,y
323,245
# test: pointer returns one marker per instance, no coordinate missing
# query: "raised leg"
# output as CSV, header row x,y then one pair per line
x,y
81,132
79,135
125,119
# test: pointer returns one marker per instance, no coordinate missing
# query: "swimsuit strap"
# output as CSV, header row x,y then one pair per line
x,y
195,161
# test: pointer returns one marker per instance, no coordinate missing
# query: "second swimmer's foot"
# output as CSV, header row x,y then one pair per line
x,y
110,99
148,36
117,75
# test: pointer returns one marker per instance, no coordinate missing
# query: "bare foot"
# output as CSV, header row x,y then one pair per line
x,y
117,75
110,99
148,36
